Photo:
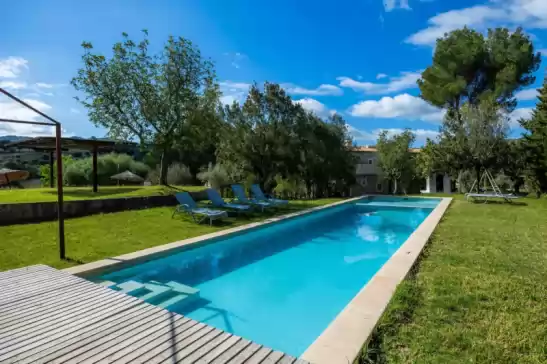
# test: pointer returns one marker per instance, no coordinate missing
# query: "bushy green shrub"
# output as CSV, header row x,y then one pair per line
x,y
79,172
214,176
179,174
289,188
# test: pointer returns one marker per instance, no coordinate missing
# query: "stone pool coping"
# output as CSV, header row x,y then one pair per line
x,y
342,341
140,256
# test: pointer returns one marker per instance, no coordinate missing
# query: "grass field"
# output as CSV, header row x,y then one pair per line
x,y
85,193
478,295
95,237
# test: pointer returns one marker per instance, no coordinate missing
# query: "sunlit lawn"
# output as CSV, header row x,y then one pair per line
x,y
85,193
95,237
479,295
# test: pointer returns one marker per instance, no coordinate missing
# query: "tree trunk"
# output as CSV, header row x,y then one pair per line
x,y
164,166
394,186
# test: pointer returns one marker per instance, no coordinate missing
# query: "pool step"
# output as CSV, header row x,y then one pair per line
x,y
162,294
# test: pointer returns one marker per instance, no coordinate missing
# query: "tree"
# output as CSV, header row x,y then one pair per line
x,y
534,142
513,162
476,140
395,158
151,97
466,65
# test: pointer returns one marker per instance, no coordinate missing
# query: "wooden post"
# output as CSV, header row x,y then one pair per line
x,y
51,175
95,182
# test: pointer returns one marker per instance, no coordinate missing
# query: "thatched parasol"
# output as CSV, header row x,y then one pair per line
x,y
127,176
12,175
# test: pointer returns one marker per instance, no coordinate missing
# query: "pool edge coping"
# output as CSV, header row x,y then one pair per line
x,y
143,255
342,341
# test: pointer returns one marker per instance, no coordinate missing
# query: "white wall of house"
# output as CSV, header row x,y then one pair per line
x,y
431,184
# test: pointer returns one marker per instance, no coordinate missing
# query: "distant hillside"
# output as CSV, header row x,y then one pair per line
x,y
12,138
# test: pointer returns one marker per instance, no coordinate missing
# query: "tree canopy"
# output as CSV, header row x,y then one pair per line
x,y
151,97
395,157
467,66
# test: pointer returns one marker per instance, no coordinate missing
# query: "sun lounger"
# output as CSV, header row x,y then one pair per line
x,y
260,196
217,201
489,195
240,196
199,214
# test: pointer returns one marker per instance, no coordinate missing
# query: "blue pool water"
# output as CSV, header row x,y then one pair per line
x,y
282,285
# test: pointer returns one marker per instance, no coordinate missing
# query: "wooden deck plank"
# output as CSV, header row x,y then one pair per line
x,y
245,354
150,341
204,349
234,350
35,319
218,350
109,341
287,359
258,356
273,358
128,340
300,361
91,336
157,354
51,316
73,314
32,340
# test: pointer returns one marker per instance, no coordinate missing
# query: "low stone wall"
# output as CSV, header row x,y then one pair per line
x,y
21,213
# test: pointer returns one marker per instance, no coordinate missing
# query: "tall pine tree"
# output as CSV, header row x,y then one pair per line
x,y
534,142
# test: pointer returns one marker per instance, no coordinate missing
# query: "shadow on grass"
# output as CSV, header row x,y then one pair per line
x,y
399,312
492,202
75,261
89,193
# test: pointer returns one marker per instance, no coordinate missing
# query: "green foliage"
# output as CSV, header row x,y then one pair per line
x,y
427,161
67,161
395,158
155,98
215,176
271,136
179,174
466,66
289,188
534,144
78,172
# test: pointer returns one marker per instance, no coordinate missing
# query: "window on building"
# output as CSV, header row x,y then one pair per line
x,y
364,181
379,187
371,161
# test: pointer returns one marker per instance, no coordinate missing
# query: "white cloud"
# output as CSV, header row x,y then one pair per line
x,y
372,135
322,90
512,13
402,106
74,111
406,80
14,85
12,110
11,67
233,91
379,76
543,52
529,94
390,5
517,114
44,85
315,106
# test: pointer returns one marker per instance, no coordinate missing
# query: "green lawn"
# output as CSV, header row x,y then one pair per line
x,y
95,237
85,193
478,295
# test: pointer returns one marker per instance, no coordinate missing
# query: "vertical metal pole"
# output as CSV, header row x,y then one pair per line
x,y
60,207
95,179
51,175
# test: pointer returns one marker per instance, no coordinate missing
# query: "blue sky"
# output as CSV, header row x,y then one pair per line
x,y
358,57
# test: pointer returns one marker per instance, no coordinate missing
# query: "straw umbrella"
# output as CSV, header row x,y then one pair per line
x,y
12,175
127,176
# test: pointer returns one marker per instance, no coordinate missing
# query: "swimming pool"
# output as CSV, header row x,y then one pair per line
x,y
280,284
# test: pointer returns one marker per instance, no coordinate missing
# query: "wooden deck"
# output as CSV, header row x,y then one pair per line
x,y
50,316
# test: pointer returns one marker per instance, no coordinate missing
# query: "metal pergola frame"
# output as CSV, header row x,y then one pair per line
x,y
59,159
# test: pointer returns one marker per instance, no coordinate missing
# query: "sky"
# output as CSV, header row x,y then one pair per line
x,y
360,58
